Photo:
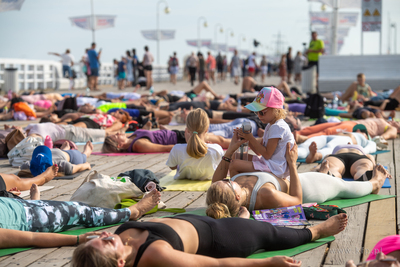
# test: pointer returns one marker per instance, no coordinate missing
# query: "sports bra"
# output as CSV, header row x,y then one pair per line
x,y
263,178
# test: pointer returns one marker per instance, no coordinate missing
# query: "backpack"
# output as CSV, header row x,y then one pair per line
x,y
315,108
174,62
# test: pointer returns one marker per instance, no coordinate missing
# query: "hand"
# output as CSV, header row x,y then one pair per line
x,y
291,154
83,237
243,135
282,261
244,213
235,143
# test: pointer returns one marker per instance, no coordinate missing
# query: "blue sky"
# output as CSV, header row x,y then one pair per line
x,y
43,26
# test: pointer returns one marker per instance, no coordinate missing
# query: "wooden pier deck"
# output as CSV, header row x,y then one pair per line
x,y
368,223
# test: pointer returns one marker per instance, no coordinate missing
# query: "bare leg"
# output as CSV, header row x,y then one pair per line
x,y
204,86
248,83
283,86
324,167
87,150
6,117
215,139
148,202
379,175
349,92
80,167
12,180
147,126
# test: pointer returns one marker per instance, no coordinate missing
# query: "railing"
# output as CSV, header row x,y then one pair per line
x,y
47,74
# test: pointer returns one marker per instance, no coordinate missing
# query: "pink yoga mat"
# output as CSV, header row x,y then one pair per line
x,y
124,154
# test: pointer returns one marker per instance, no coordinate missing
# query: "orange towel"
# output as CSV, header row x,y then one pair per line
x,y
24,107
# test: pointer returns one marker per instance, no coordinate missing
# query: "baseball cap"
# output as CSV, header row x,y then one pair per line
x,y
362,129
268,97
41,160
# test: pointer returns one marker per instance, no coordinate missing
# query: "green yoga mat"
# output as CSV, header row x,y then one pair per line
x,y
345,203
8,251
292,251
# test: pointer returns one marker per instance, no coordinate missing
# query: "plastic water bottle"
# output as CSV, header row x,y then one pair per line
x,y
88,91
151,90
48,142
390,119
335,102
239,106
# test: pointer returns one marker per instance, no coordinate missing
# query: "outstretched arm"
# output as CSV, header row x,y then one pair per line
x,y
55,54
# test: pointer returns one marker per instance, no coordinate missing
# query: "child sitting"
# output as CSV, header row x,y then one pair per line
x,y
195,160
268,105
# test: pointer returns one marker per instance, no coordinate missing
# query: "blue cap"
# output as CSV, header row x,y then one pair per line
x,y
41,160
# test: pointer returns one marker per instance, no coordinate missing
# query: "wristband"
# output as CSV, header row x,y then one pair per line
x,y
77,240
226,159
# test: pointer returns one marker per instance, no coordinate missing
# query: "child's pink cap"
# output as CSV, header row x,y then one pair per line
x,y
268,97
386,245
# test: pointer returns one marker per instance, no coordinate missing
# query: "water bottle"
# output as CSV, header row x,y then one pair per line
x,y
243,151
390,119
48,142
335,102
87,91
239,106
151,90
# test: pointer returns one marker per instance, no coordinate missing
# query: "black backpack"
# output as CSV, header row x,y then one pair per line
x,y
174,62
315,108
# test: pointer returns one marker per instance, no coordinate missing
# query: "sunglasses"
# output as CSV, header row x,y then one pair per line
x,y
121,112
230,183
261,112
108,238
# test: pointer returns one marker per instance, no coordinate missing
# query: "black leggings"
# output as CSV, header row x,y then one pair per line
x,y
238,237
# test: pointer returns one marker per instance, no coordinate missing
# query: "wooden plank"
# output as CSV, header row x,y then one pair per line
x,y
27,257
348,244
312,257
58,257
396,158
381,223
387,159
306,167
198,203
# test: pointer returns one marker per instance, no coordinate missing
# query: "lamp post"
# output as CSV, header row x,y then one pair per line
x,y
166,10
198,31
229,30
394,26
221,30
241,37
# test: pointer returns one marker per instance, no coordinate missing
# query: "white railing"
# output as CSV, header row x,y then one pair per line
x,y
47,74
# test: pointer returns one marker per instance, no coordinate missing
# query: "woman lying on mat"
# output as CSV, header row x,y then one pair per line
x,y
195,160
68,161
180,241
317,147
349,161
262,190
56,216
145,141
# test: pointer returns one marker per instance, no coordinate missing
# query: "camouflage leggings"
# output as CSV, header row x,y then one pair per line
x,y
58,216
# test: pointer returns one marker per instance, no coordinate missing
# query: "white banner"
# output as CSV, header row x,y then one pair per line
x,y
164,34
326,32
345,19
342,3
100,22
7,5
371,15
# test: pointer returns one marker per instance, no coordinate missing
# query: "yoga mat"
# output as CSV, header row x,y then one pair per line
x,y
42,188
304,161
386,184
319,161
184,184
8,251
124,154
345,203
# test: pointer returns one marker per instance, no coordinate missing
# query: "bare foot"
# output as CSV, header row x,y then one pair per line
x,y
162,127
296,136
147,126
87,150
65,146
148,202
330,227
379,175
324,167
393,114
34,192
50,173
6,126
313,156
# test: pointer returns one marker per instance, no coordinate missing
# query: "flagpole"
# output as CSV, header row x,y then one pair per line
x,y
91,1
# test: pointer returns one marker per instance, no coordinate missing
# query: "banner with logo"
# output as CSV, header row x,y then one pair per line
x,y
164,34
203,42
345,19
326,31
7,5
100,22
371,11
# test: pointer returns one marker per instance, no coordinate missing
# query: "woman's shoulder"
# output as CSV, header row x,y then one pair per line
x,y
216,147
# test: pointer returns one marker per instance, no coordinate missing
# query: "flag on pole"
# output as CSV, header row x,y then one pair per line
x,y
7,5
164,34
203,42
342,4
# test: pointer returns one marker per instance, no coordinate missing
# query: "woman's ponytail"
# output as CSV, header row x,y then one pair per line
x,y
197,123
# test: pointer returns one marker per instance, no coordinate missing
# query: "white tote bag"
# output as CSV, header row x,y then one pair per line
x,y
99,190
23,150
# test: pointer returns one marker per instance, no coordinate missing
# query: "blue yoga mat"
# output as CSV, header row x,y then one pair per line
x,y
386,184
319,161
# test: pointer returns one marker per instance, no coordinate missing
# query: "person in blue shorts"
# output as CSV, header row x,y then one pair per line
x,y
94,64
